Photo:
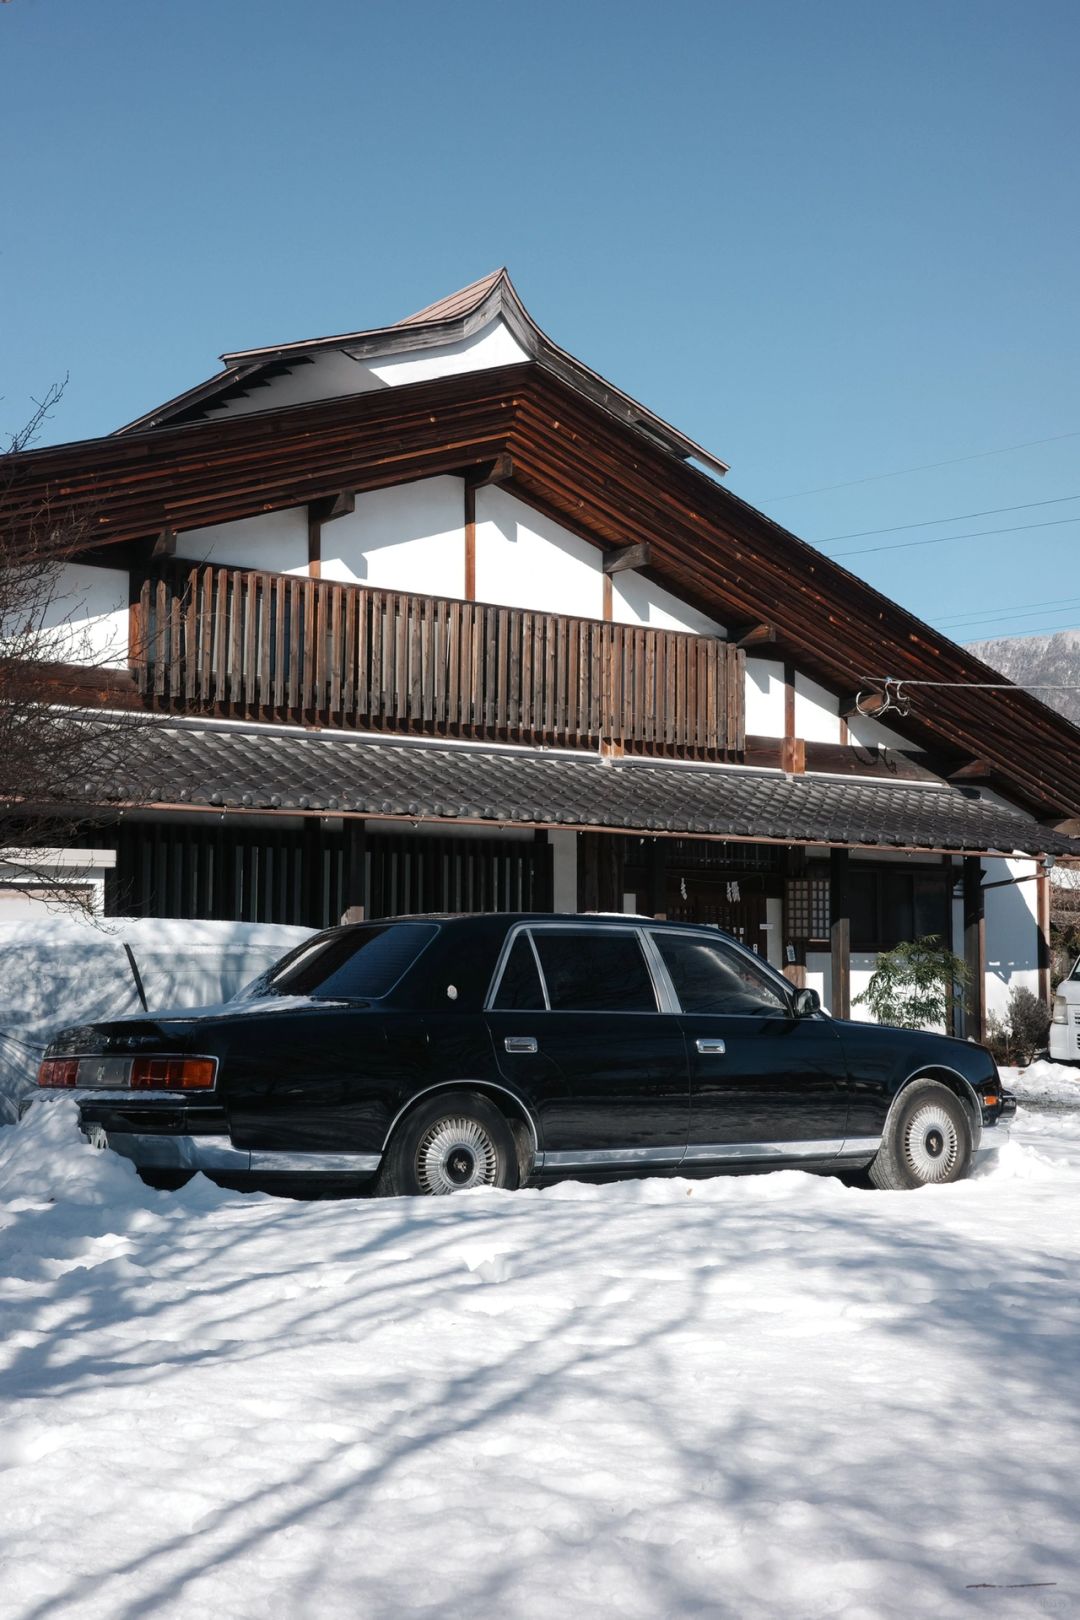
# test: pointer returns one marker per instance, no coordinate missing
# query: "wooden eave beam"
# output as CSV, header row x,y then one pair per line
x,y
864,704
753,635
330,507
499,471
974,770
620,557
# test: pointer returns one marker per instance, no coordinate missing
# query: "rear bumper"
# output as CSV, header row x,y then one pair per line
x,y
217,1154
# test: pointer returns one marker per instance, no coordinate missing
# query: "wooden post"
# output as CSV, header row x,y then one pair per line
x,y
1042,885
356,896
975,947
657,903
840,932
312,868
543,872
470,541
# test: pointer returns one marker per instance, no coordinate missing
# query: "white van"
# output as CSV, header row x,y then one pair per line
x,y
1065,1022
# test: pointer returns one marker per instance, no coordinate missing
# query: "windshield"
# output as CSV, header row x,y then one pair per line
x,y
1075,974
346,965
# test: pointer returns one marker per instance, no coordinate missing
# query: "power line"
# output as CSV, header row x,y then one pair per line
x,y
993,618
1048,601
961,517
927,466
940,540
1030,630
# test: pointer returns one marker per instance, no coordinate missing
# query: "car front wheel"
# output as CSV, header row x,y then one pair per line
x,y
450,1143
927,1140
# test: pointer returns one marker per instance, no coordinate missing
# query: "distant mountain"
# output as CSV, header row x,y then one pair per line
x,y
1027,660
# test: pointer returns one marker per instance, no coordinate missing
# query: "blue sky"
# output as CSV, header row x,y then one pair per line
x,y
828,240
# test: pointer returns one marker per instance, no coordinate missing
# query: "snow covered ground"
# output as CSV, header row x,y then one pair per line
x,y
742,1397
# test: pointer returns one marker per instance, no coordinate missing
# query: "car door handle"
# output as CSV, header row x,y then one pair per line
x,y
716,1047
520,1043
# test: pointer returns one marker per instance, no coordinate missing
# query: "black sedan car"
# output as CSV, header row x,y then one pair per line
x,y
432,1054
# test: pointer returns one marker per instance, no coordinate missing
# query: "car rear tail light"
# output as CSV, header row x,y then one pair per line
x,y
59,1072
172,1074
129,1074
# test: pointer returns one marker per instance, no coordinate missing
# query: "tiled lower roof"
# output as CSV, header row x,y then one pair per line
x,y
275,771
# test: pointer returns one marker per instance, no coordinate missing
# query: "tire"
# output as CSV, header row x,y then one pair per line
x,y
927,1140
450,1143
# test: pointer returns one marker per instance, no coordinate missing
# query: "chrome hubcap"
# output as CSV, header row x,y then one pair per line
x,y
455,1154
931,1143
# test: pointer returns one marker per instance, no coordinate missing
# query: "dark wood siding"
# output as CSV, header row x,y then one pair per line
x,y
257,874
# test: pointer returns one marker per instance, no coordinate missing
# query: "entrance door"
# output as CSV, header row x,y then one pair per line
x,y
604,1069
764,1085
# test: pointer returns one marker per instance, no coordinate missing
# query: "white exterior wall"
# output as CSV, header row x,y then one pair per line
x,y
331,374
527,560
277,541
1012,932
819,975
636,600
817,712
87,619
410,537
871,734
764,698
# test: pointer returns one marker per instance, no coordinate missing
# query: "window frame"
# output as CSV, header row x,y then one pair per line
x,y
783,988
666,1001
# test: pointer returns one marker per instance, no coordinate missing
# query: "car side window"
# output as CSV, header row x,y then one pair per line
x,y
709,977
519,987
595,971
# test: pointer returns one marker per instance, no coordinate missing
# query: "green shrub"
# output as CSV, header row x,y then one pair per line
x,y
1022,1033
915,985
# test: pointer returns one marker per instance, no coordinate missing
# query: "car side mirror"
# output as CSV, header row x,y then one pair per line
x,y
807,1002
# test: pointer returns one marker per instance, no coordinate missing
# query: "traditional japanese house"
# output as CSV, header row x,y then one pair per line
x,y
433,617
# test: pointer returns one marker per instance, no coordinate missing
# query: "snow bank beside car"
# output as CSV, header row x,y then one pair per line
x,y
1045,1082
60,971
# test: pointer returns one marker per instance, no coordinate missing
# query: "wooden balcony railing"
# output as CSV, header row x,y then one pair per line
x,y
278,647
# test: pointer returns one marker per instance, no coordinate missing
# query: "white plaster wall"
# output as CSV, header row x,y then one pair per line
x,y
863,964
86,621
871,734
764,698
1012,932
410,537
819,975
277,541
524,559
331,374
636,600
564,869
817,712
493,345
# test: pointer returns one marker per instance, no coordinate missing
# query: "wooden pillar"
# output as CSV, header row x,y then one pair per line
x,y
1042,884
793,755
470,541
975,947
312,887
793,867
355,896
840,932
657,860
314,544
543,872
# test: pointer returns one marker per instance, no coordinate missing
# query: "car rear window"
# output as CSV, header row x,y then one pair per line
x,y
594,971
358,963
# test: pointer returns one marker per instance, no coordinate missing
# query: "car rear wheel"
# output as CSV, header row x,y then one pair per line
x,y
927,1140
450,1143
